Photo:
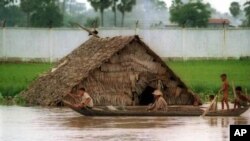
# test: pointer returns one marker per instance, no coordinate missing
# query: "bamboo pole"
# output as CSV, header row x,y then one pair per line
x,y
206,111
234,90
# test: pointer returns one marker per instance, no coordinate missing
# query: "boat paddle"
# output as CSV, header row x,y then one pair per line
x,y
207,110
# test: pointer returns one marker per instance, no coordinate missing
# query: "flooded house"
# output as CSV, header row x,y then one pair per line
x,y
120,71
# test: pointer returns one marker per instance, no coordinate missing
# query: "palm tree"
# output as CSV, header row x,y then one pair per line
x,y
125,6
114,10
100,5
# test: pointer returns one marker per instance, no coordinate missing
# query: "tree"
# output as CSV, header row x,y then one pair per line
x,y
10,15
100,5
234,9
160,5
125,6
192,14
4,3
43,13
114,7
28,6
247,13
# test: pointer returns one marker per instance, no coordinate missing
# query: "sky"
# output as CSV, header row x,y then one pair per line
x,y
220,5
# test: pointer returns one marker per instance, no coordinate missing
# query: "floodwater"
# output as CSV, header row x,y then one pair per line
x,y
63,124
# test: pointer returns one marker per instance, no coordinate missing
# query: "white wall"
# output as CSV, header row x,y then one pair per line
x,y
53,44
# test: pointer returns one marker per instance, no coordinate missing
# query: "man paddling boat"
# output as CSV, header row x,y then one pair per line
x,y
85,100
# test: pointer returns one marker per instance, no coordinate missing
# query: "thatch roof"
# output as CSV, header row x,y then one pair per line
x,y
50,88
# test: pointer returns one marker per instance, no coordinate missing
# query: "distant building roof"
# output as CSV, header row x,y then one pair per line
x,y
218,21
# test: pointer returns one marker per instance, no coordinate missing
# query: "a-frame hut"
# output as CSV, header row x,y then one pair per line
x,y
115,71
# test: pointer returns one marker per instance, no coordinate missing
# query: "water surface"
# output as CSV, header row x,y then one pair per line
x,y
63,124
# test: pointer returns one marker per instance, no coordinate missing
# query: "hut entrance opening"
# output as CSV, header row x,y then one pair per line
x,y
146,96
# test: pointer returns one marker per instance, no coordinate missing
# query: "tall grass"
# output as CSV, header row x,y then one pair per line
x,y
203,76
15,77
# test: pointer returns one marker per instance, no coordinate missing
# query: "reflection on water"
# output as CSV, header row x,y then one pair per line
x,y
62,124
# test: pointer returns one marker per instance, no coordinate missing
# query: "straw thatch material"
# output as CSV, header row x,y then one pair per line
x,y
110,69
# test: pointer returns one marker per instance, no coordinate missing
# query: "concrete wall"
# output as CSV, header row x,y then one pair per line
x,y
52,44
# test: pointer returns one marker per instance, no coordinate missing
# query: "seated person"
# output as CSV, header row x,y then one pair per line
x,y
214,105
85,100
160,104
241,99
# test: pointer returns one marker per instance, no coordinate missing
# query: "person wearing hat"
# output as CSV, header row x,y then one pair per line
x,y
160,104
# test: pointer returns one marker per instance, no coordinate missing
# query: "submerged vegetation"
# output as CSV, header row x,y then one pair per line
x,y
202,76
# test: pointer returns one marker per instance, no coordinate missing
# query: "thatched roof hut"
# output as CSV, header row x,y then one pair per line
x,y
115,71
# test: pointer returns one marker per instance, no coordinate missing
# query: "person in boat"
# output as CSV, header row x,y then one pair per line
x,y
214,105
85,100
224,90
241,99
160,104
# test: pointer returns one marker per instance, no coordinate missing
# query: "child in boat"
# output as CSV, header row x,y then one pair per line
x,y
224,90
241,99
214,105
85,99
160,104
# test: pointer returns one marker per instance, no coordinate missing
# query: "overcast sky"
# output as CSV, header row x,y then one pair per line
x,y
220,5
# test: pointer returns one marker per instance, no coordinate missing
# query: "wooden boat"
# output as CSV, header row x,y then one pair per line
x,y
231,112
141,111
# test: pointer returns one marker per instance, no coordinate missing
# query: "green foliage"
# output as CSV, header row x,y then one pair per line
x,y
16,77
1,98
247,14
19,100
4,3
100,5
125,6
12,15
234,9
42,13
192,14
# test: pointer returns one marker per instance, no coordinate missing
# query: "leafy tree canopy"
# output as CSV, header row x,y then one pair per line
x,y
192,14
247,14
43,13
234,9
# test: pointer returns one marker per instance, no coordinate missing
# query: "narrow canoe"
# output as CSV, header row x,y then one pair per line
x,y
141,111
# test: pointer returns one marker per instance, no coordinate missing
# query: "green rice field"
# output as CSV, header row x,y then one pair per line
x,y
14,77
202,76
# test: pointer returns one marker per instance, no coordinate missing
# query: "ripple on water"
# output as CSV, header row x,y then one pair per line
x,y
63,124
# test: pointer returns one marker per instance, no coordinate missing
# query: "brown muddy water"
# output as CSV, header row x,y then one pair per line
x,y
63,124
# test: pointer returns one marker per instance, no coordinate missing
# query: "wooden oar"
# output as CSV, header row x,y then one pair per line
x,y
248,98
234,90
206,111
